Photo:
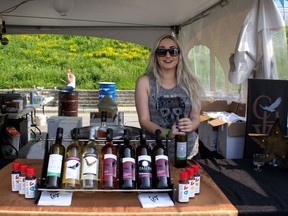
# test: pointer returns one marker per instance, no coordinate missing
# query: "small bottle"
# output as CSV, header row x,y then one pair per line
x,y
22,177
108,163
183,188
101,132
197,178
144,163
30,183
90,163
71,171
55,162
119,133
127,173
160,163
180,160
15,176
191,181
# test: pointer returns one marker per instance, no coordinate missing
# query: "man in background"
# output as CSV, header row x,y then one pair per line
x,y
70,81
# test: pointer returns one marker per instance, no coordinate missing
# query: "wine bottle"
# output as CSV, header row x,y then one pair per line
x,y
55,162
101,132
71,172
119,133
90,163
127,163
144,163
108,163
180,159
160,163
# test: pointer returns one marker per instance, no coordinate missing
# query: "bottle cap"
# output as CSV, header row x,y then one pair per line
x,y
196,168
15,166
183,175
30,171
23,168
190,171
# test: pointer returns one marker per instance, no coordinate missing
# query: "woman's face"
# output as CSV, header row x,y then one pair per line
x,y
168,61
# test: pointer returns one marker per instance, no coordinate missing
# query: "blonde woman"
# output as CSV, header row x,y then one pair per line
x,y
169,91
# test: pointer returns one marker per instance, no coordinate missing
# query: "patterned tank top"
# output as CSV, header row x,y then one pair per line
x,y
166,105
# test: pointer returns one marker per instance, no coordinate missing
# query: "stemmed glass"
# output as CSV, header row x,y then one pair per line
x,y
258,161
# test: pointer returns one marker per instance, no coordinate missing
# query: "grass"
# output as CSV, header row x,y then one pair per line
x,y
42,60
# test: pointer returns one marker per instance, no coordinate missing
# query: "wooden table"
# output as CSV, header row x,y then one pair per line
x,y
210,201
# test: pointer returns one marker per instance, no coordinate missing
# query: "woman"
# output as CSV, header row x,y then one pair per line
x,y
169,91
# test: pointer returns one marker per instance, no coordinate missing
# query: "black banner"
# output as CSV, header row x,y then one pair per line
x,y
267,100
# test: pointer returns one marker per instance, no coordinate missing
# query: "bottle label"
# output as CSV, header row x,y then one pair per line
x,y
90,164
54,165
181,151
128,165
15,182
144,166
183,192
110,165
72,167
30,188
192,188
22,184
197,184
162,166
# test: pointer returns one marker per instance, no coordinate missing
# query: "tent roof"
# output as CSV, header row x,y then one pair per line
x,y
138,21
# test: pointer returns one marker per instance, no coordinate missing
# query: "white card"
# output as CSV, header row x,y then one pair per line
x,y
152,200
55,198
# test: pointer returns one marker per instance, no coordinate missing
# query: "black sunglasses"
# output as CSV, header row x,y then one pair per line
x,y
161,52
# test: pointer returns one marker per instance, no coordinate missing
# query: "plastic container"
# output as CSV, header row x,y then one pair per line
x,y
107,88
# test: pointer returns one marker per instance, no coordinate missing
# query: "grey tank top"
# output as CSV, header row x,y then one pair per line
x,y
165,106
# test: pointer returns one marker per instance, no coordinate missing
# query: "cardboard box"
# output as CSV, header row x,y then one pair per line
x,y
67,122
230,136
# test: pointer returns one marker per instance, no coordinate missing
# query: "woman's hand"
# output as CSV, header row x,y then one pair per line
x,y
186,125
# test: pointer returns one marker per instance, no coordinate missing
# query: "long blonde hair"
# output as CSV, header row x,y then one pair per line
x,y
185,76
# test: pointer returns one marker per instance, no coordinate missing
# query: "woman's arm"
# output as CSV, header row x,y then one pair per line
x,y
142,92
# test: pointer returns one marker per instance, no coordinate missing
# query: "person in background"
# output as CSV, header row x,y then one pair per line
x,y
70,81
168,91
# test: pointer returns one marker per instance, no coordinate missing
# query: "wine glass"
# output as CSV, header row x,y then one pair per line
x,y
258,161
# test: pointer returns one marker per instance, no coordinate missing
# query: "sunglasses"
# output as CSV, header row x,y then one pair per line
x,y
163,52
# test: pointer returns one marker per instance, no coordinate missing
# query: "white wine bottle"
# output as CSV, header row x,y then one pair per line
x,y
181,146
55,162
90,163
71,172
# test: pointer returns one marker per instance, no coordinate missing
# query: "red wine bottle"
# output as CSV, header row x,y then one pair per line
x,y
160,163
108,163
144,163
127,173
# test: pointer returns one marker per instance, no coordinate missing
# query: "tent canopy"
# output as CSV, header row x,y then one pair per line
x,y
137,21
215,24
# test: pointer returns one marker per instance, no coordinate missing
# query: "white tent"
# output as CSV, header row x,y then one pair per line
x,y
213,23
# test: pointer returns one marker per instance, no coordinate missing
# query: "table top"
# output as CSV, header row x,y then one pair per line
x,y
210,201
251,192
20,114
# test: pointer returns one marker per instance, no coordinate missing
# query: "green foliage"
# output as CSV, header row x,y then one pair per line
x,y
42,60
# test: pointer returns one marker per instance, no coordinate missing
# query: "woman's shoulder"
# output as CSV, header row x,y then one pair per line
x,y
143,78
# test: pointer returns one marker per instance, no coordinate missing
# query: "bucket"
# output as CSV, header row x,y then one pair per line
x,y
68,103
107,88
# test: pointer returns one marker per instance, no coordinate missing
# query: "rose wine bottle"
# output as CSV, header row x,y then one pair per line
x,y
144,163
108,163
127,163
160,163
